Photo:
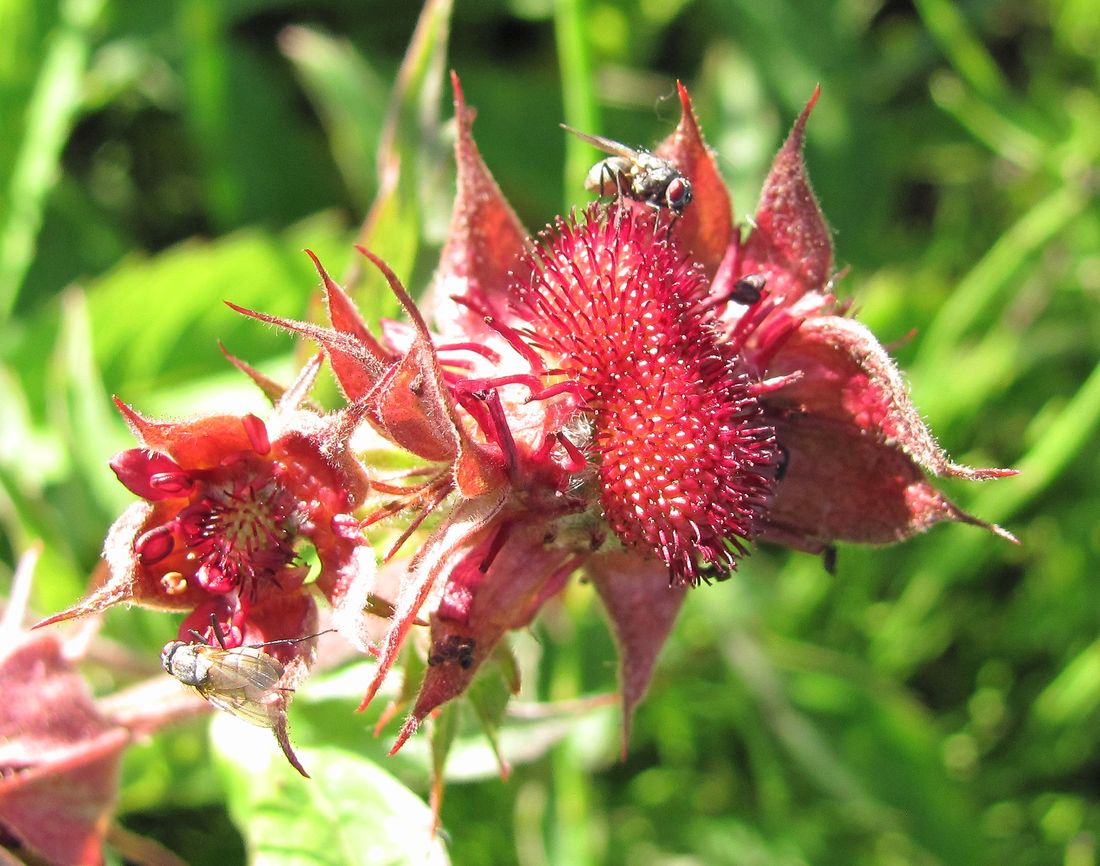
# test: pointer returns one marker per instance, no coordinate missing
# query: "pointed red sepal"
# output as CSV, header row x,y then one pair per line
x,y
355,378
479,607
468,518
846,375
122,579
790,243
414,406
486,243
336,343
196,443
297,395
270,388
841,485
856,445
703,230
642,608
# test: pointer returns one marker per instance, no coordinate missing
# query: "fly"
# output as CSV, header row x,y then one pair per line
x,y
636,173
238,680
241,680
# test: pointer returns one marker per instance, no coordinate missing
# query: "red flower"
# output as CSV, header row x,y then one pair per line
x,y
229,502
635,396
855,449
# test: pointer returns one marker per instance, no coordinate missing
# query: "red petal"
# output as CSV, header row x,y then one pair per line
x,y
485,244
642,607
704,228
59,756
316,464
790,243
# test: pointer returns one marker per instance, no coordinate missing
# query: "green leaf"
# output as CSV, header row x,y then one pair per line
x,y
243,128
49,117
575,62
444,728
489,695
349,96
996,276
948,26
411,194
350,812
161,318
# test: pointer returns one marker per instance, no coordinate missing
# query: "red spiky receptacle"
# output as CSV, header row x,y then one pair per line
x,y
685,459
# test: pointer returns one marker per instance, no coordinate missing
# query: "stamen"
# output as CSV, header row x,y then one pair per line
x,y
476,348
501,536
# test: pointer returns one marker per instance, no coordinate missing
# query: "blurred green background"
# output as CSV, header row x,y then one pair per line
x,y
933,703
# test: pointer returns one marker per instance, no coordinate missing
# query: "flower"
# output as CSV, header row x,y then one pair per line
x,y
855,450
638,394
673,390
227,504
684,460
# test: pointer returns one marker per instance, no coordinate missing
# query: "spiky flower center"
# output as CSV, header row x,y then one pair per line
x,y
685,459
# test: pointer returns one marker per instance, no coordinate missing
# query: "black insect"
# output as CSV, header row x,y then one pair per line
x,y
454,648
784,462
748,290
636,173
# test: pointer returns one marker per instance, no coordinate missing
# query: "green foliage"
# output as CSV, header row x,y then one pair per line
x,y
933,703
350,812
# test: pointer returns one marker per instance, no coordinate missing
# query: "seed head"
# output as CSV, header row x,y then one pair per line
x,y
684,458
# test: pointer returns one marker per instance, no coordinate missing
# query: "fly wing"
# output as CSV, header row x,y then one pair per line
x,y
248,665
241,705
607,145
238,680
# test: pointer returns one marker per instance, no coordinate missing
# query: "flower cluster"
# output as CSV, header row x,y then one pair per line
x,y
637,393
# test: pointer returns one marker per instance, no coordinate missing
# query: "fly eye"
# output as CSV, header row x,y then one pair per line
x,y
678,194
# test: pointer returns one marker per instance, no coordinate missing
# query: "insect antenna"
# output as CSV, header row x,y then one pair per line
x,y
289,639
